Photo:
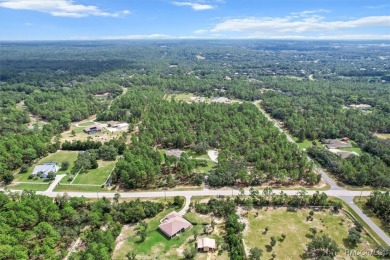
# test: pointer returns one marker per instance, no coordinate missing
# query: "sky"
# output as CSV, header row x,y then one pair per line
x,y
194,19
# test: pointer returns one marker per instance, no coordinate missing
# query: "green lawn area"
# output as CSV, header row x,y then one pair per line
x,y
361,203
58,157
86,124
352,149
156,243
306,143
296,228
179,96
207,168
70,188
27,186
96,176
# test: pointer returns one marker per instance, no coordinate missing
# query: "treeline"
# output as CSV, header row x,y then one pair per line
x,y
355,170
379,203
36,227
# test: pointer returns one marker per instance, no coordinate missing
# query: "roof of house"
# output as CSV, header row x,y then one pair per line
x,y
92,128
174,152
206,242
220,100
173,223
334,144
45,168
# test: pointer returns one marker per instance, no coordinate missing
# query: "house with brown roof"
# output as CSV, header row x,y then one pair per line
x,y
92,129
206,244
173,224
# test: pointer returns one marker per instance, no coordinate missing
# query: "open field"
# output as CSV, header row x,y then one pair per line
x,y
296,228
179,96
58,157
27,186
351,149
96,176
205,169
382,136
306,143
361,203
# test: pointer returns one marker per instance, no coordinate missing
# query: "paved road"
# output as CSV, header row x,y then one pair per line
x,y
186,206
324,175
366,219
55,182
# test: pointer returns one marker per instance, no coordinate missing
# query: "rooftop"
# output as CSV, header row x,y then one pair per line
x,y
173,223
174,152
206,242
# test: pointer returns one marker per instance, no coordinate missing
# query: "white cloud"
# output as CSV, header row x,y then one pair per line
x,y
200,31
64,8
292,24
28,24
138,37
195,6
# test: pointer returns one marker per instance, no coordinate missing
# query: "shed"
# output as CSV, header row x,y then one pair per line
x,y
206,244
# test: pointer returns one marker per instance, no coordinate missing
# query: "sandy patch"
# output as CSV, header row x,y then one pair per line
x,y
213,154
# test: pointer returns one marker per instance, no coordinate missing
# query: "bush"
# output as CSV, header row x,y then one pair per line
x,y
23,168
65,165
178,202
353,237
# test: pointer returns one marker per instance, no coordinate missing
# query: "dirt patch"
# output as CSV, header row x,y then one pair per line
x,y
213,154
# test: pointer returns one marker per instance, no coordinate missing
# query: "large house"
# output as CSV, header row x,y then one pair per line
x,y
206,244
335,143
173,224
45,169
92,129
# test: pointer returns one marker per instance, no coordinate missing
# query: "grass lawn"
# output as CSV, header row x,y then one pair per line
x,y
306,143
179,96
296,228
351,149
70,188
58,157
382,136
207,168
361,203
26,186
96,176
86,124
156,243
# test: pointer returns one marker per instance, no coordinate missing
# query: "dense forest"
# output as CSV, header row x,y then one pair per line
x,y
309,86
321,110
245,138
36,227
379,203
